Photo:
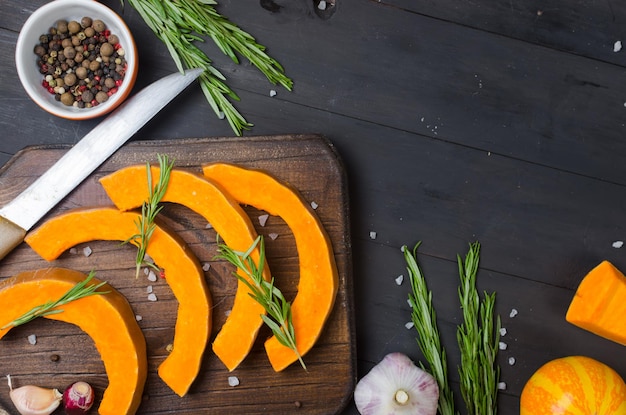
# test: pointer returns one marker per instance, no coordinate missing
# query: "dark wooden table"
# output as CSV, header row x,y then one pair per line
x,y
457,121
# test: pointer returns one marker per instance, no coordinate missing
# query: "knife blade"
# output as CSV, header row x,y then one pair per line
x,y
23,212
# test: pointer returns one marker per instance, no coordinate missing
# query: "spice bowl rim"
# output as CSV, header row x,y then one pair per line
x,y
47,16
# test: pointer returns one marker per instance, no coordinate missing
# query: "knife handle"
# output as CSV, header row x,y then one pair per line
x,y
11,236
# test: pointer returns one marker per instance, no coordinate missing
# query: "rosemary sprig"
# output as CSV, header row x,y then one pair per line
x,y
80,290
478,337
149,210
424,320
180,23
278,309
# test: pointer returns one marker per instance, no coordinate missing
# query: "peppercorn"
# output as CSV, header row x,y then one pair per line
x,y
67,98
98,25
73,27
86,21
106,49
101,97
70,79
61,26
113,39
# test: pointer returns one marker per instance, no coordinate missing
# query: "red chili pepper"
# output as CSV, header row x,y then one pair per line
x,y
162,273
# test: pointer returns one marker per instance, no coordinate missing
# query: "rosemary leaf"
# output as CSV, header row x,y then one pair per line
x,y
149,210
78,291
478,337
174,22
424,320
278,309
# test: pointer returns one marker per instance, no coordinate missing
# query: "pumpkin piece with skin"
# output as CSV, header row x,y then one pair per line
x,y
107,318
574,385
128,188
184,277
317,286
599,305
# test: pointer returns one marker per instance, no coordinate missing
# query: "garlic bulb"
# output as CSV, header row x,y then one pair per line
x,y
396,386
33,400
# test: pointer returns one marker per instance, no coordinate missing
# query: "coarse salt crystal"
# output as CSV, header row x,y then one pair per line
x,y
146,271
372,235
503,332
87,251
511,361
409,302
149,289
138,317
502,345
618,244
233,381
617,46
399,279
152,276
513,313
409,325
152,297
322,5
263,219
272,93
501,386
206,266
273,236
221,115
314,205
32,339
208,226
227,312
74,251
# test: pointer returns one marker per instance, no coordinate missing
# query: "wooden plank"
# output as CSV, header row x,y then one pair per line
x,y
306,162
585,28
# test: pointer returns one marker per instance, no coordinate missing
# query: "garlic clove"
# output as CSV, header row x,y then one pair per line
x,y
33,400
397,386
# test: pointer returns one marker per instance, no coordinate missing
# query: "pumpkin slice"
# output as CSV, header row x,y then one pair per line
x,y
184,276
317,287
599,305
128,188
107,318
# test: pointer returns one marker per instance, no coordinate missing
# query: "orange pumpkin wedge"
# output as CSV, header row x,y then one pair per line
x,y
599,305
128,188
184,276
107,318
317,287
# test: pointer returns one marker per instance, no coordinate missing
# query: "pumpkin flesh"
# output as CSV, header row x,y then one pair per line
x,y
107,318
317,286
599,305
128,188
184,277
574,385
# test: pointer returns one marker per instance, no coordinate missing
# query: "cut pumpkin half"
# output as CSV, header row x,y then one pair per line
x,y
317,286
107,318
128,188
184,276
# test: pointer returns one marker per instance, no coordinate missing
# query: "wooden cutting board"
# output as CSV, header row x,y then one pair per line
x,y
64,354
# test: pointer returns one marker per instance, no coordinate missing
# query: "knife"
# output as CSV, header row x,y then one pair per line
x,y
23,212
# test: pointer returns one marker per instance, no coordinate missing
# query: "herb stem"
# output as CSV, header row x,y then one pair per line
x,y
278,309
181,23
424,320
78,291
478,337
150,209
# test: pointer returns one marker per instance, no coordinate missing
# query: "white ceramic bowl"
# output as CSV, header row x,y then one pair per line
x,y
39,23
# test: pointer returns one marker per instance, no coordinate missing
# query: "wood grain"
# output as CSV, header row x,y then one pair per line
x,y
308,163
